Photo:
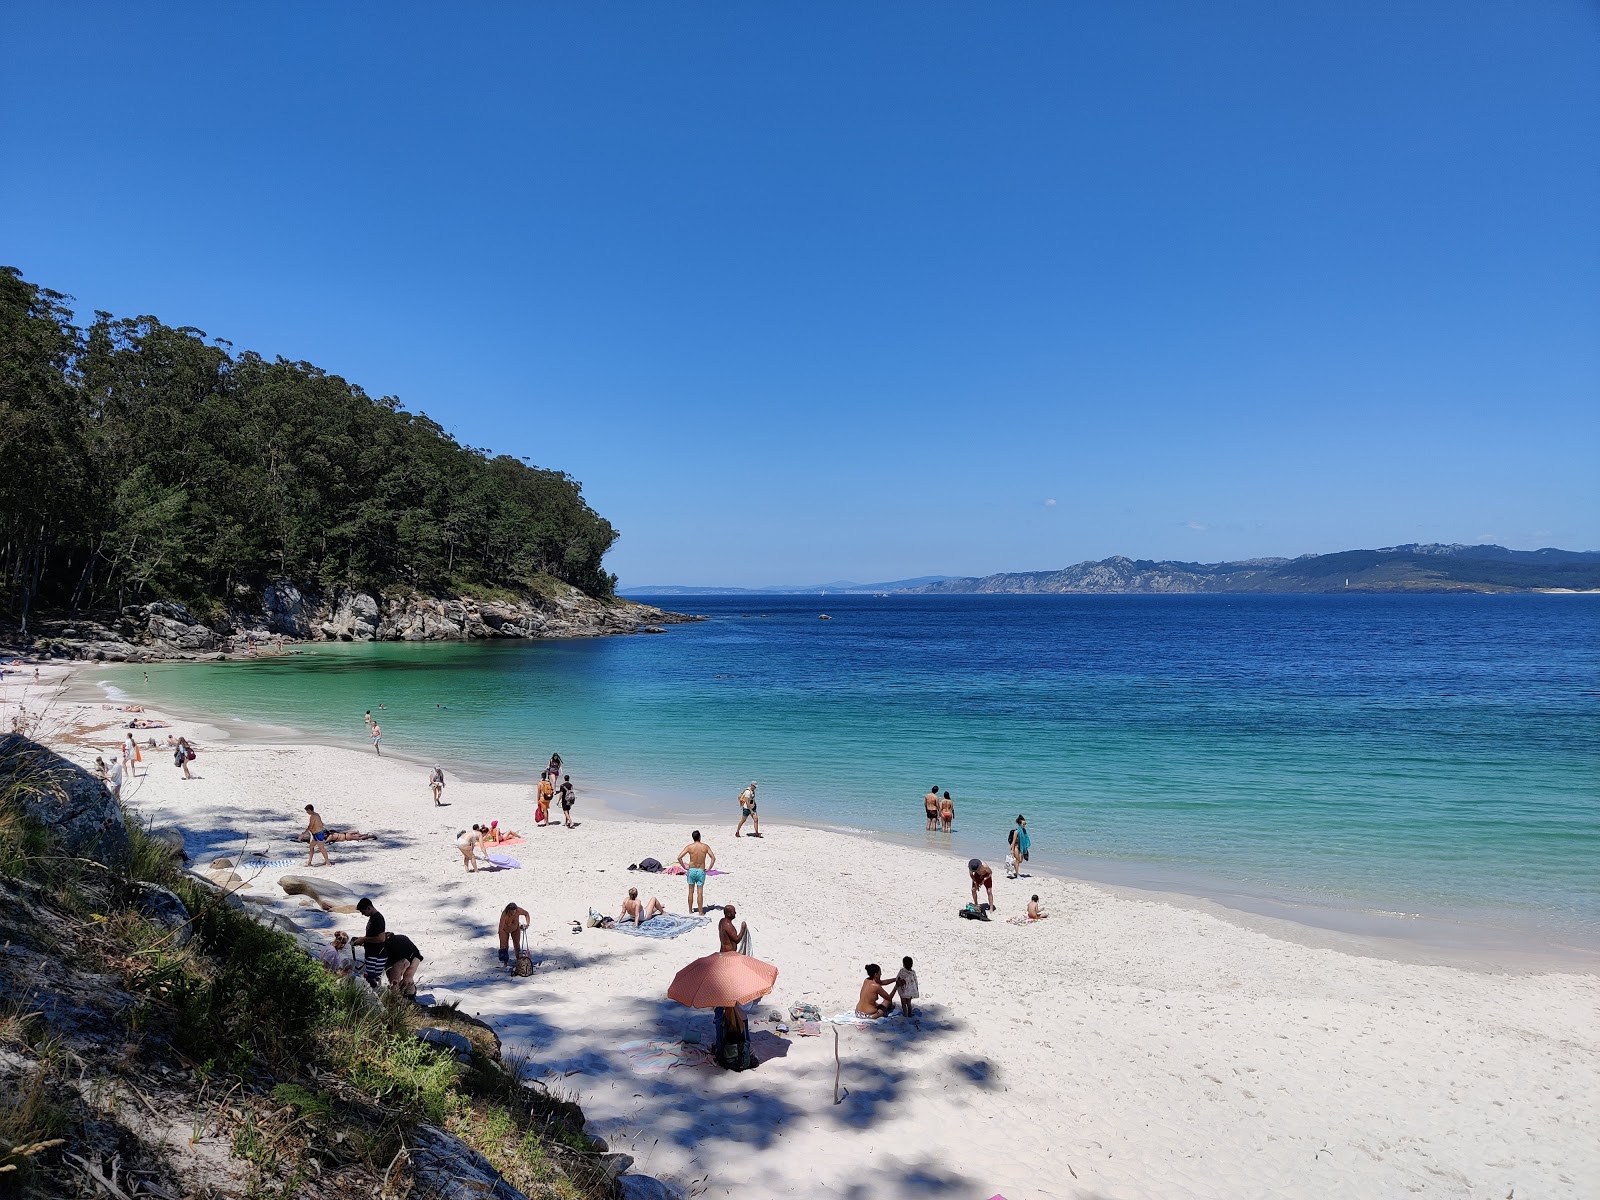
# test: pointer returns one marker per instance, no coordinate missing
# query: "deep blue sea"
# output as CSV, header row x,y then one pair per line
x,y
1426,756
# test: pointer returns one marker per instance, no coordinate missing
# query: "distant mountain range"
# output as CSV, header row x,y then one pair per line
x,y
837,587
1412,568
1430,567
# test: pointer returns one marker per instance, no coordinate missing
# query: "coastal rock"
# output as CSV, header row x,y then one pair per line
x,y
444,1167
77,809
356,617
644,1187
173,625
285,609
448,1039
330,896
165,909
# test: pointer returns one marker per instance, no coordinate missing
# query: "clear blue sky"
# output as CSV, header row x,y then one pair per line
x,y
823,290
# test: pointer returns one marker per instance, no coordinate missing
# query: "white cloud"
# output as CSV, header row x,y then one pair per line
x,y
1197,526
1049,503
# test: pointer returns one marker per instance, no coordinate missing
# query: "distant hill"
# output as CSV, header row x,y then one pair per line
x,y
838,587
1412,568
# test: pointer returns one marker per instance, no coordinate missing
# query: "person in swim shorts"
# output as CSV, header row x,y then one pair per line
x,y
317,836
747,811
701,858
371,942
930,807
982,875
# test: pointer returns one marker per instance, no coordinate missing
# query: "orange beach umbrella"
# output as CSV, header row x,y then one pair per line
x,y
722,981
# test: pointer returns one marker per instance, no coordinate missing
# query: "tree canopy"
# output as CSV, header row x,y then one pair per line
x,y
141,461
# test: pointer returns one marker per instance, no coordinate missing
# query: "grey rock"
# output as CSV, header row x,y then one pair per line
x,y
616,1165
179,632
448,1039
76,808
356,617
443,1167
645,1187
165,908
286,609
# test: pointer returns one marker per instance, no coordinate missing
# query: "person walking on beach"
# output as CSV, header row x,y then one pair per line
x,y
436,783
747,811
377,736
546,791
513,924
114,779
701,858
554,769
569,797
182,755
947,812
982,876
316,834
729,936
930,807
1017,843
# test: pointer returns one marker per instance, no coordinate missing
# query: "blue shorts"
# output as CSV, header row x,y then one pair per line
x,y
697,877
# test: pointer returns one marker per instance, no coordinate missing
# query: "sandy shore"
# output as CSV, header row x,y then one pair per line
x,y
1125,1047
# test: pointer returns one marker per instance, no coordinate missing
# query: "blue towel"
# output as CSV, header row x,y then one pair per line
x,y
661,926
503,861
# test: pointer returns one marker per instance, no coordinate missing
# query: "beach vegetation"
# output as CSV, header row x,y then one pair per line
x,y
143,461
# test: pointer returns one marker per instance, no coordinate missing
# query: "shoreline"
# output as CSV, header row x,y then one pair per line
x,y
1154,1047
1420,937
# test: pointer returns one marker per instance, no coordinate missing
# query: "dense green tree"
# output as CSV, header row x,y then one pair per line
x,y
142,461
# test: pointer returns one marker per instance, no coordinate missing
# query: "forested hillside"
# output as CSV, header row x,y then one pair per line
x,y
142,461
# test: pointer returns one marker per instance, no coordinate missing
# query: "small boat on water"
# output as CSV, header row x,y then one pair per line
x,y
824,617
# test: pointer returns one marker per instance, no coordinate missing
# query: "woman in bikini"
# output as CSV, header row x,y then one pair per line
x,y
875,1000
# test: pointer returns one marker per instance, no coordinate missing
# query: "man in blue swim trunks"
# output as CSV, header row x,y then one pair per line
x,y
701,859
316,835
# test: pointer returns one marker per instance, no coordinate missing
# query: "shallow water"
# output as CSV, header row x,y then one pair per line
x,y
1432,755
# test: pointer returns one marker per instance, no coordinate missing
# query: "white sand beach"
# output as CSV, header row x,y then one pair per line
x,y
1125,1047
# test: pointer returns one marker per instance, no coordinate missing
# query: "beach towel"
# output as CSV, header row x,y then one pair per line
x,y
653,1058
661,926
675,869
1023,920
808,1028
854,1018
270,862
504,861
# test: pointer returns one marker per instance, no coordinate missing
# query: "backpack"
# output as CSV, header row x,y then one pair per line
x,y
973,913
523,967
650,864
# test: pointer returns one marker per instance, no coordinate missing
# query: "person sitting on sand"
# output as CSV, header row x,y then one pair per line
x,y
947,812
639,911
701,859
1035,913
728,935
497,836
467,842
930,807
339,958
316,835
513,924
875,1000
982,876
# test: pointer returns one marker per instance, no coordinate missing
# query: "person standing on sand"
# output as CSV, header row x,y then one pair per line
x,y
546,791
905,986
982,876
377,736
371,942
569,797
114,779
947,812
316,834
513,924
436,783
467,842
930,807
701,859
747,811
1017,848
728,935
182,755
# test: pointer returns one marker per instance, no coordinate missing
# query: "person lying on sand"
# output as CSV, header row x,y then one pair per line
x,y
639,911
513,924
875,1000
1035,913
341,835
982,876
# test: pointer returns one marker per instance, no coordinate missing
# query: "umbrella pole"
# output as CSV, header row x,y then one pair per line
x,y
837,1098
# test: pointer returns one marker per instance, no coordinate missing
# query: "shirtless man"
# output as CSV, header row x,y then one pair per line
x,y
639,911
875,1000
747,811
701,859
729,936
930,807
982,876
513,921
316,834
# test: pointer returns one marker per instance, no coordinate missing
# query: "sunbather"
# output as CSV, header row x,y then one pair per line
x,y
875,1000
639,911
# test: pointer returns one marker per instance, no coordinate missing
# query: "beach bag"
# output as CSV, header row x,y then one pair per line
x,y
523,967
650,864
973,913
190,753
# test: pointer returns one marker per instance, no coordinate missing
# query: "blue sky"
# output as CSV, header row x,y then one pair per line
x,y
805,292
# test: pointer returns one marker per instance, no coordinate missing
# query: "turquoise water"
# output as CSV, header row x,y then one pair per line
x,y
1433,755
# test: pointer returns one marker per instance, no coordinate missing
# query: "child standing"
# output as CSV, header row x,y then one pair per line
x,y
906,986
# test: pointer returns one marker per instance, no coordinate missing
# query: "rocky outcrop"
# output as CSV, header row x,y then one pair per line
x,y
285,610
82,819
172,625
355,617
